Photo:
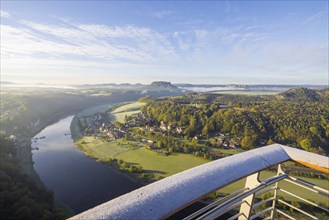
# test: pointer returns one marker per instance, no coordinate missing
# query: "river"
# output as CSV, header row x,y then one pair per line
x,y
77,181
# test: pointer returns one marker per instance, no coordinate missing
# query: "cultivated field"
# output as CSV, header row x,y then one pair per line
x,y
120,117
129,107
121,112
93,110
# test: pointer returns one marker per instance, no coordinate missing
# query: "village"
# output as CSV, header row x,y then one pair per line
x,y
141,130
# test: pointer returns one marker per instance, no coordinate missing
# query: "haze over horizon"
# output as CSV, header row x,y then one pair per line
x,y
213,42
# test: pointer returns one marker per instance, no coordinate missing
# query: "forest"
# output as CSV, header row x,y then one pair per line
x,y
297,117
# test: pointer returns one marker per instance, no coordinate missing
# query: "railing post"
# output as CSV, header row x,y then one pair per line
x,y
246,207
279,172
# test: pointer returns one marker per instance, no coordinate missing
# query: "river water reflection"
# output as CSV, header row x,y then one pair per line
x,y
77,181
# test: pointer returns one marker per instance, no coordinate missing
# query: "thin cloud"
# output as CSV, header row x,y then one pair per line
x,y
242,48
230,7
161,14
5,14
127,44
319,16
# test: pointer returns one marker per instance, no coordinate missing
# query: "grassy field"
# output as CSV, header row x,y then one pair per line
x,y
93,110
129,107
161,164
98,148
152,162
120,117
121,112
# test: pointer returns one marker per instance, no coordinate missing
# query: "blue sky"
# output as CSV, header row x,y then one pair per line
x,y
203,42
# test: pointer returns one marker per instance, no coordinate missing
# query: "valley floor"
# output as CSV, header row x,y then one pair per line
x,y
124,155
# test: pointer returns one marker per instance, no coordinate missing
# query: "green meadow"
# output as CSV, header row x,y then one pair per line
x,y
161,164
121,112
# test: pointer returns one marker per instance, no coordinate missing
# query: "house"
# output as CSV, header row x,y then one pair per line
x,y
110,134
179,130
12,137
163,126
221,139
150,128
232,145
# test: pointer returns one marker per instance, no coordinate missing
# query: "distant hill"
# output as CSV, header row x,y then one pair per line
x,y
161,85
237,86
6,83
304,94
155,89
324,94
112,86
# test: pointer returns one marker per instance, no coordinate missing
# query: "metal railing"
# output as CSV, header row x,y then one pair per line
x,y
163,198
219,207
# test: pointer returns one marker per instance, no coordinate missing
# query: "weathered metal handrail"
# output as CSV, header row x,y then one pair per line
x,y
214,204
165,197
220,210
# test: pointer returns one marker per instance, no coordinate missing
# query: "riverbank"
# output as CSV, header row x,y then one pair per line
x,y
76,180
129,156
105,153
25,151
75,131
155,165
24,142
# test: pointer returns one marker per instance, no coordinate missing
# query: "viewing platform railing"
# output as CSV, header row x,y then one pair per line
x,y
166,197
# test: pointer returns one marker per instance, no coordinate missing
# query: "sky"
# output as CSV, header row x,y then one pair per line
x,y
200,42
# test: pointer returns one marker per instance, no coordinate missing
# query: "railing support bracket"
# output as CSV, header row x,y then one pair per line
x,y
246,207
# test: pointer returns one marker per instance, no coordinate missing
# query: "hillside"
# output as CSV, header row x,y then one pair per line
x,y
6,83
298,117
161,85
324,94
301,95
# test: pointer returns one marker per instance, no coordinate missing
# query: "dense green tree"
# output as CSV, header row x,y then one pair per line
x,y
205,130
248,142
306,144
270,141
161,144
